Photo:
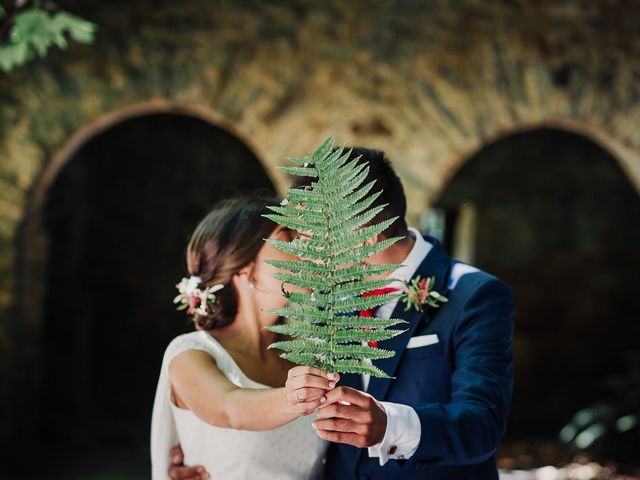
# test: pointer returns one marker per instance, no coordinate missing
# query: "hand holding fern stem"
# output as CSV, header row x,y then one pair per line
x,y
307,388
351,417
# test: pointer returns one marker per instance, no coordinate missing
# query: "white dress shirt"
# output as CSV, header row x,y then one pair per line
x,y
403,432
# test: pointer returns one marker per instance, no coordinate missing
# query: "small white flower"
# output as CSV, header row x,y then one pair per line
x,y
284,202
202,309
187,286
192,284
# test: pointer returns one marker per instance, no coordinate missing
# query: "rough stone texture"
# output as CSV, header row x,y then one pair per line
x,y
429,82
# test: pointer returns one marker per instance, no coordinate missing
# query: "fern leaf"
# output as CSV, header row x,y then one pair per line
x,y
358,254
350,211
304,330
358,237
359,366
315,299
356,288
295,223
348,322
356,272
307,250
299,267
300,171
326,349
357,221
304,314
364,303
302,280
358,335
335,209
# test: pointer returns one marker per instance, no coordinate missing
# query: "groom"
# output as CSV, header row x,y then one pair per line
x,y
443,414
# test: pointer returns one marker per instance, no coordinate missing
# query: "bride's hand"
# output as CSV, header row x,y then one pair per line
x,y
306,388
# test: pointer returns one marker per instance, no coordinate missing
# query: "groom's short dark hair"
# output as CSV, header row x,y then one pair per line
x,y
380,170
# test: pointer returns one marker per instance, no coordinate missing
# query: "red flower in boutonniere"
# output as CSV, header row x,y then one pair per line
x,y
418,293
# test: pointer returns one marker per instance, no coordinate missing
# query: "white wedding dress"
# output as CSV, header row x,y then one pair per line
x,y
290,452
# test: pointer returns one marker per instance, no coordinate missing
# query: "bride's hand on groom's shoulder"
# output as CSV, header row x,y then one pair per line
x,y
307,388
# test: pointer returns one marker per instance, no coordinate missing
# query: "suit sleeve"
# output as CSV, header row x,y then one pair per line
x,y
468,429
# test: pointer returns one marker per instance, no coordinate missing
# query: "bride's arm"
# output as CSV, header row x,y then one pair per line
x,y
203,388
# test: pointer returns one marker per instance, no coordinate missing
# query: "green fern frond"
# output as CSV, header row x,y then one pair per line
x,y
360,271
325,348
362,253
300,267
296,223
359,335
303,330
303,314
350,304
359,366
346,322
356,288
300,171
336,211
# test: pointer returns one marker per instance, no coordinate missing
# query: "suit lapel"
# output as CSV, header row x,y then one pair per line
x,y
437,263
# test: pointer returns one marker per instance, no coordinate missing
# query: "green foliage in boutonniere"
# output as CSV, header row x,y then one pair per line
x,y
418,294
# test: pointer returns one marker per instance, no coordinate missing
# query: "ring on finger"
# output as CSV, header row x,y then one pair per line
x,y
299,399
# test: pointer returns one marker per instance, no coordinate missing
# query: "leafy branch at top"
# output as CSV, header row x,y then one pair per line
x,y
32,31
335,211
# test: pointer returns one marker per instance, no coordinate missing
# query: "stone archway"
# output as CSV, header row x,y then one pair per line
x,y
100,252
553,214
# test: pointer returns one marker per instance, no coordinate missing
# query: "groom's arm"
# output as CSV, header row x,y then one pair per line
x,y
467,429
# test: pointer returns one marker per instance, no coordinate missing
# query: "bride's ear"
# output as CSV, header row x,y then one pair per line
x,y
244,277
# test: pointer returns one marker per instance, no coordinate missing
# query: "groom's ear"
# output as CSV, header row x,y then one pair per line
x,y
373,240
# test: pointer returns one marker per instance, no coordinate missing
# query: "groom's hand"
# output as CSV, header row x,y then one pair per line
x,y
177,470
352,417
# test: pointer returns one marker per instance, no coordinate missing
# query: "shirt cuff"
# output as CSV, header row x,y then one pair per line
x,y
402,437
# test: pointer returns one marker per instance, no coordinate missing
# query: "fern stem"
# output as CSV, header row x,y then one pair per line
x,y
331,321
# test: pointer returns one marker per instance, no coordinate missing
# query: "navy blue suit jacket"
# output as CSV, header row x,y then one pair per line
x,y
460,387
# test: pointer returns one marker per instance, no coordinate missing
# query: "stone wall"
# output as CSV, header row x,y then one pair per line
x,y
428,82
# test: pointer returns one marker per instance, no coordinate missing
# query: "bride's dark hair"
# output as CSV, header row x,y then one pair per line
x,y
225,241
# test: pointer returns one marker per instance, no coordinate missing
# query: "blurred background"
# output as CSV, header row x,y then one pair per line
x,y
514,126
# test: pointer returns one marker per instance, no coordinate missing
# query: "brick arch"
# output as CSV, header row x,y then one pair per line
x,y
106,121
627,157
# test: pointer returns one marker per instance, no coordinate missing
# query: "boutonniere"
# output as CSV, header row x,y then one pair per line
x,y
418,294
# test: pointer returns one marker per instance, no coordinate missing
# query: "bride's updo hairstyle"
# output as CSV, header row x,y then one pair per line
x,y
225,241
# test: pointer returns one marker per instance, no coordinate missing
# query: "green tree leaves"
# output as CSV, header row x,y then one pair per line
x,y
35,30
335,212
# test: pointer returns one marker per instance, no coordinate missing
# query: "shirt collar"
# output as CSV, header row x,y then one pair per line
x,y
417,254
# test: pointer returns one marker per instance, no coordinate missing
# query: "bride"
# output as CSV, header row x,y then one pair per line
x,y
220,394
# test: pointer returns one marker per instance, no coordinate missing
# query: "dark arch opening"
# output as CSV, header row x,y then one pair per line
x,y
117,220
552,214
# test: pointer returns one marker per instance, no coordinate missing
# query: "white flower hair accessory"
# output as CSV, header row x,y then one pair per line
x,y
194,300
